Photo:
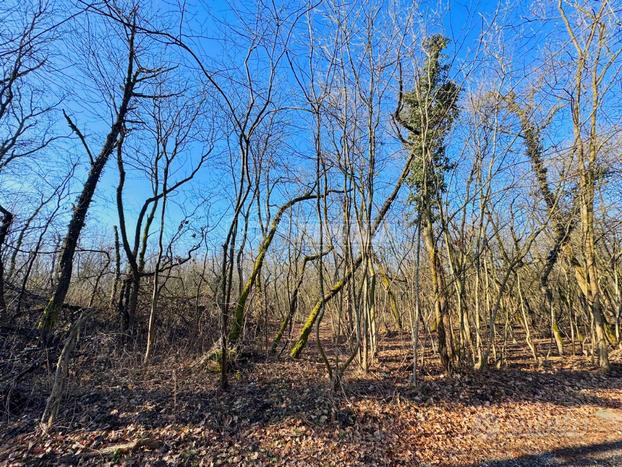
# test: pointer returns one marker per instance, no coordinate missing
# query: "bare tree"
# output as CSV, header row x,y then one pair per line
x,y
591,38
23,57
134,75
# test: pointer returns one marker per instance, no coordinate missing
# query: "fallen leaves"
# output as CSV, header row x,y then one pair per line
x,y
282,412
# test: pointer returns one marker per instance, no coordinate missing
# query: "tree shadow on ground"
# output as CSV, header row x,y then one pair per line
x,y
604,454
518,382
267,391
566,388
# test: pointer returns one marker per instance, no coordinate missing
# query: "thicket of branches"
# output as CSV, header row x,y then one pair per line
x,y
271,176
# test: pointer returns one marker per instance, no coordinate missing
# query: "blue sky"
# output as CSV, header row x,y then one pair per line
x,y
524,35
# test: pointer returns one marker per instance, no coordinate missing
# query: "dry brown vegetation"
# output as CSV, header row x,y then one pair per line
x,y
324,232
284,412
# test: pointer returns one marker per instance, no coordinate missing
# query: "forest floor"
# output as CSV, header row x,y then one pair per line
x,y
282,412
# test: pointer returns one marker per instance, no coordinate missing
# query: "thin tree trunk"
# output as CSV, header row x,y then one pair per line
x,y
301,342
60,375
7,219
78,219
238,322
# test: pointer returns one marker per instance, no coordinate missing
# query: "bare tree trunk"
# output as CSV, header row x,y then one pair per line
x,y
563,224
7,219
594,58
301,342
78,218
238,322
117,270
441,315
60,375
156,277
293,305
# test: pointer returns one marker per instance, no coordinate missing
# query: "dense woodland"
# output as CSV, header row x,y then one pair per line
x,y
245,190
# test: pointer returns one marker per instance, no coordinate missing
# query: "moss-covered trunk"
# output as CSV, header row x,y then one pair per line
x,y
238,319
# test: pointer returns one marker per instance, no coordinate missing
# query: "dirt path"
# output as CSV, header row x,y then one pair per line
x,y
604,454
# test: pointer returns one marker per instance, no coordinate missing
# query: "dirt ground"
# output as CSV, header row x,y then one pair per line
x,y
282,412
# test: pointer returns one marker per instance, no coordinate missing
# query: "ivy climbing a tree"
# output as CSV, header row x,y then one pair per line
x,y
429,113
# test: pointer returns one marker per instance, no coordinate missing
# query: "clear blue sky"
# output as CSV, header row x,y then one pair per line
x,y
462,21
